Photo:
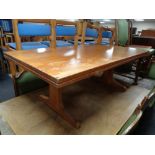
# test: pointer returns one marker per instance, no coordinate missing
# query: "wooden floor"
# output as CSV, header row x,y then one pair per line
x,y
99,111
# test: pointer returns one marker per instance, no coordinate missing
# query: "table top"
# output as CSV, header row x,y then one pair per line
x,y
61,65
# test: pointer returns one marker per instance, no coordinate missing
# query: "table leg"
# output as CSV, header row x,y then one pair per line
x,y
111,83
138,63
55,102
13,76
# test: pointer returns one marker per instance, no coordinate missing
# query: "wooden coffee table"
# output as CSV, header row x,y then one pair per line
x,y
63,66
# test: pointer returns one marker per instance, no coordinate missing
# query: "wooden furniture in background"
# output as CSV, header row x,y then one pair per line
x,y
123,38
75,37
148,33
21,78
112,30
90,31
6,26
97,34
53,28
9,37
2,64
16,32
2,41
49,28
63,66
146,38
2,38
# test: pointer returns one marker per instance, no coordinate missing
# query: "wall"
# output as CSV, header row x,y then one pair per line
x,y
109,24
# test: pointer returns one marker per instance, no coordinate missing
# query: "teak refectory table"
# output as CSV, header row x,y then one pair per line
x,y
63,66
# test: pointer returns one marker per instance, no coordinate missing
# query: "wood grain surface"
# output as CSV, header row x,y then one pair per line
x,y
63,65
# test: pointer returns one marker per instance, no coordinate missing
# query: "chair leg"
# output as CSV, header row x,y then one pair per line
x,y
1,63
1,40
3,68
15,87
7,66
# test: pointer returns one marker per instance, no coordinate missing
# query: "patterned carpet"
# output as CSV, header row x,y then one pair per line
x,y
6,88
